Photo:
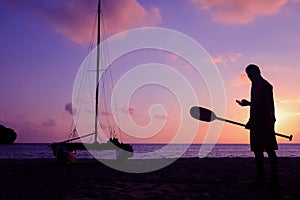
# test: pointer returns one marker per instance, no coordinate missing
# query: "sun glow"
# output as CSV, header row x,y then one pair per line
x,y
286,123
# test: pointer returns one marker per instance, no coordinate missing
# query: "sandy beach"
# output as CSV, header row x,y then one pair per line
x,y
186,178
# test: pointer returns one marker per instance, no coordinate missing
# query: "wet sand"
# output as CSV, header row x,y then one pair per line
x,y
186,178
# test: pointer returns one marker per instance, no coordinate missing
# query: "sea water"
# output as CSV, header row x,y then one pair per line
x,y
146,151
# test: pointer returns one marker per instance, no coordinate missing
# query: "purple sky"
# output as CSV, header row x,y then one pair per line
x,y
44,42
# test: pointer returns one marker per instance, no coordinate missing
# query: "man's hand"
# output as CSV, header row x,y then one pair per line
x,y
248,125
243,102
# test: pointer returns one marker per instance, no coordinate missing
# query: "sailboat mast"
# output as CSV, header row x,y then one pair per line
x,y
97,72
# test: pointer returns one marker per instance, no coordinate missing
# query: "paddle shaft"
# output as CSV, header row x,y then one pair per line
x,y
240,124
229,121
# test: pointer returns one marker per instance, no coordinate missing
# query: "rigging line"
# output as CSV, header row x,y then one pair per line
x,y
71,127
78,103
91,43
105,92
107,59
73,123
73,134
115,103
102,78
104,62
84,76
105,101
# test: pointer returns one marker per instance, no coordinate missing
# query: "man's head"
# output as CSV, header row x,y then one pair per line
x,y
253,71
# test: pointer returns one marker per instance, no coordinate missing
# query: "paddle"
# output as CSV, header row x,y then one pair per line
x,y
206,115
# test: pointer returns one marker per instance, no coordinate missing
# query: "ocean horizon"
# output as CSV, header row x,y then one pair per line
x,y
146,151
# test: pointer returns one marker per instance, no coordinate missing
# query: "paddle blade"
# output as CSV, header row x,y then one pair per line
x,y
202,114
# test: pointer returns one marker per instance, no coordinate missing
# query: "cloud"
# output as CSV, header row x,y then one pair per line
x,y
241,79
227,57
173,56
48,123
289,101
234,56
158,116
131,110
68,108
239,12
128,14
1,117
105,113
274,68
128,109
30,131
102,126
75,18
70,18
219,59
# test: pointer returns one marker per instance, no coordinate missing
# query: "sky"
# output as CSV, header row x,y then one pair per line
x,y
43,44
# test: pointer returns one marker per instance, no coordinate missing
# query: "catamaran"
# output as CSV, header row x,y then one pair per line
x,y
65,150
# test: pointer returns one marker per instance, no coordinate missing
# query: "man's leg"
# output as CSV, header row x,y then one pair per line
x,y
273,164
259,159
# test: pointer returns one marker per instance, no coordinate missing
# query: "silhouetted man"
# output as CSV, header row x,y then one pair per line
x,y
261,123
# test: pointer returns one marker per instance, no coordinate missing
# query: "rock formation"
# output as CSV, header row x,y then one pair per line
x,y
7,135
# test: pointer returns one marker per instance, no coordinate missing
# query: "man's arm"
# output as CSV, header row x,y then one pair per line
x,y
245,102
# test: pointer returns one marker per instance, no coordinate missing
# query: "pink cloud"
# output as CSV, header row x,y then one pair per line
x,y
105,113
289,101
173,57
75,18
219,59
232,57
241,79
128,14
274,68
160,116
30,131
166,115
1,117
48,123
239,12
129,109
102,126
228,57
